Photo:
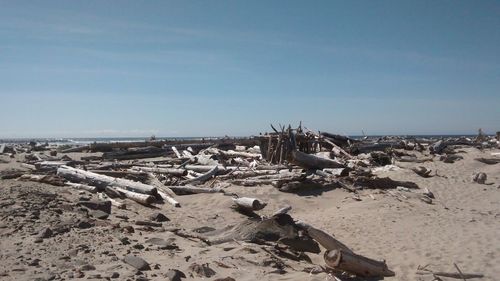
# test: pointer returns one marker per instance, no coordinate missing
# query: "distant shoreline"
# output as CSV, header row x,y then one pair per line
x,y
89,140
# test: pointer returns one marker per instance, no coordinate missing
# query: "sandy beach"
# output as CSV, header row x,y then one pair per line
x,y
461,226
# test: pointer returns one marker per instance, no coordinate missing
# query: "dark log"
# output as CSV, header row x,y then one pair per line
x,y
371,147
339,140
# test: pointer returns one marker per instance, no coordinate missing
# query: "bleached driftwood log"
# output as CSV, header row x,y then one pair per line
x,y
81,186
167,171
313,162
203,178
186,189
116,203
166,193
356,264
145,199
49,179
246,174
206,168
78,175
249,204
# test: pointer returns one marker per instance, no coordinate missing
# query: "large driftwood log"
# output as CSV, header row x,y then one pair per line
x,y
132,156
371,147
356,264
313,162
339,140
78,175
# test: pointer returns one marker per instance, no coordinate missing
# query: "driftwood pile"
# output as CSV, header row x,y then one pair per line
x,y
291,160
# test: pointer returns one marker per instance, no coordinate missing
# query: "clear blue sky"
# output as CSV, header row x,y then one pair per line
x,y
194,68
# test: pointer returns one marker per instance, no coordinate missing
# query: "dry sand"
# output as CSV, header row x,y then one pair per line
x,y
462,226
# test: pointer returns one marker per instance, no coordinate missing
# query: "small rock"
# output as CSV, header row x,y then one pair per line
x,y
138,246
84,225
98,214
72,253
175,275
136,262
479,178
128,229
38,240
34,262
164,245
158,217
225,279
87,267
125,241
45,233
114,275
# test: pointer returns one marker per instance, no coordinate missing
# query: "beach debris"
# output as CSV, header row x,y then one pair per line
x,y
423,270
248,204
136,262
479,177
422,171
201,270
489,161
